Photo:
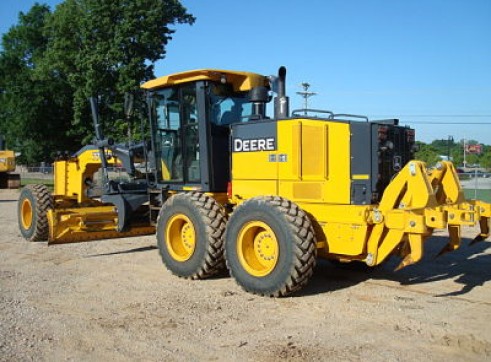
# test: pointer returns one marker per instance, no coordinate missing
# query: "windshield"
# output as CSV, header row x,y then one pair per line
x,y
227,106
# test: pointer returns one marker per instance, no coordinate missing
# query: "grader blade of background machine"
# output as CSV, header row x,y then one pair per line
x,y
75,225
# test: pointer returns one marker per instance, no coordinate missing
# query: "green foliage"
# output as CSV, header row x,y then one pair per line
x,y
33,112
485,159
427,153
51,62
430,153
106,48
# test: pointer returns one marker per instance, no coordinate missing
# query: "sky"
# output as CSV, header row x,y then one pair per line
x,y
425,62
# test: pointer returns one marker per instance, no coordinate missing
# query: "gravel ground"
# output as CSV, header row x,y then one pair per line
x,y
113,300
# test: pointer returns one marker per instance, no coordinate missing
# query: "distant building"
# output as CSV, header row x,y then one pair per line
x,y
445,158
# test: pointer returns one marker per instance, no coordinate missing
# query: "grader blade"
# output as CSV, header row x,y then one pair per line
x,y
73,225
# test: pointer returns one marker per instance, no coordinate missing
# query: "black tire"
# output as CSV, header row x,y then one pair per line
x,y
33,204
277,223
181,217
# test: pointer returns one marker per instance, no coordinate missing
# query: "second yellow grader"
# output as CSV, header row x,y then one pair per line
x,y
224,185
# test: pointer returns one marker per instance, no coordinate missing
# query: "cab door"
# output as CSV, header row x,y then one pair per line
x,y
177,135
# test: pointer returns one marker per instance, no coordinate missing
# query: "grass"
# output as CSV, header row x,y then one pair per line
x,y
484,195
30,181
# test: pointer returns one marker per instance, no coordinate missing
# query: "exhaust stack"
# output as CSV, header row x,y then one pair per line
x,y
281,102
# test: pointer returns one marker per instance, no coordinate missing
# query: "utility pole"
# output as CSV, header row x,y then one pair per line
x,y
450,139
305,94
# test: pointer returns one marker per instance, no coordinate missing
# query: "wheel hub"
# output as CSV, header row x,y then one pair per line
x,y
180,237
257,248
26,213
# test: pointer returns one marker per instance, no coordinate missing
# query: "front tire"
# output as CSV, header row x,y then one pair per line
x,y
270,246
190,230
33,204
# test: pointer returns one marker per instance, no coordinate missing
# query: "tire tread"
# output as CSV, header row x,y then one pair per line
x,y
215,219
42,202
304,248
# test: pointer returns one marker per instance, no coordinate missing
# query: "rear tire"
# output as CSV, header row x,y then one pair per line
x,y
270,246
33,204
190,230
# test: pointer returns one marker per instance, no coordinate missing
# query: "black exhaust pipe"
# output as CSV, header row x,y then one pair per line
x,y
281,102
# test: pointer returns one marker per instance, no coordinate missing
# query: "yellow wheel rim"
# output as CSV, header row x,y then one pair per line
x,y
257,248
180,237
26,214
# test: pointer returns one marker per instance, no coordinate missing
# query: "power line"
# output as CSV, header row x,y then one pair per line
x,y
439,116
436,115
448,123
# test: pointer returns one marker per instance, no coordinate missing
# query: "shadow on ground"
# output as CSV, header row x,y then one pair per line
x,y
468,266
130,251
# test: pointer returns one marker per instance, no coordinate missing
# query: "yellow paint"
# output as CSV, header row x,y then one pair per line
x,y
343,228
314,171
165,172
245,189
360,177
220,197
77,224
7,161
71,175
346,238
254,166
241,81
446,175
26,214
257,248
180,237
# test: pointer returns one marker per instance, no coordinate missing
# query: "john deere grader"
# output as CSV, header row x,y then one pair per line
x,y
224,185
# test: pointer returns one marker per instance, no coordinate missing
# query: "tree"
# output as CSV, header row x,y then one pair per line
x,y
107,48
32,111
51,62
485,160
427,153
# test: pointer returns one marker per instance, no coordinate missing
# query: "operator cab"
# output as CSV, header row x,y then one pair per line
x,y
191,115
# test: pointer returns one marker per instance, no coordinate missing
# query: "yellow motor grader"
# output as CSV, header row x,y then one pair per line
x,y
8,179
224,185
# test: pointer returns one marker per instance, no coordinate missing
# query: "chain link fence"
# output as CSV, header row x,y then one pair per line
x,y
477,185
44,174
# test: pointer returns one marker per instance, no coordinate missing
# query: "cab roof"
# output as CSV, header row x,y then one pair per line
x,y
241,81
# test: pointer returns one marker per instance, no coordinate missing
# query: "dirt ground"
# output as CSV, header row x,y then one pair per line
x,y
114,300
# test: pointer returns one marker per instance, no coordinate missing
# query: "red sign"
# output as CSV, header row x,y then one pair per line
x,y
477,149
